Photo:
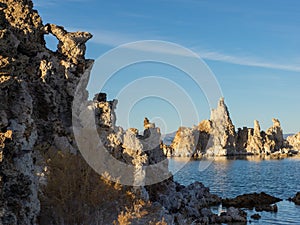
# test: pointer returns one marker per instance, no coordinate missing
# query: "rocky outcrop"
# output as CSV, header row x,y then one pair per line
x,y
191,204
177,203
259,201
211,137
255,141
294,141
37,87
273,137
222,131
217,137
185,142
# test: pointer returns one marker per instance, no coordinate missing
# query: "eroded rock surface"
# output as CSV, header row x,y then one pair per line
x,y
37,87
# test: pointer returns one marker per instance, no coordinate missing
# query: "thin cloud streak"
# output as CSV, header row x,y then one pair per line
x,y
114,39
43,3
246,61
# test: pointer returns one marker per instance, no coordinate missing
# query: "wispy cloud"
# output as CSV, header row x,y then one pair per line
x,y
47,3
114,39
247,61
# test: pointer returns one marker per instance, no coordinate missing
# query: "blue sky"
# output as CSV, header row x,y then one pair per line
x,y
252,47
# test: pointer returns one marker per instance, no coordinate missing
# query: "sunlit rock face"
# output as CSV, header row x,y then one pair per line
x,y
255,139
217,137
37,87
211,137
185,142
274,137
143,153
222,131
294,141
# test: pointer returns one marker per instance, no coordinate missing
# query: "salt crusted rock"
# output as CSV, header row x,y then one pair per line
x,y
37,87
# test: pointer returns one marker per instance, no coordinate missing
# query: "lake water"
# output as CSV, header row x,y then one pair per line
x,y
232,177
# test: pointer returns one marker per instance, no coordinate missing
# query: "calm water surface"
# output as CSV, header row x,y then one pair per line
x,y
232,177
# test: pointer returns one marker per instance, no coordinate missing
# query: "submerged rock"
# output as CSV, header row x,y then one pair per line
x,y
255,216
296,199
255,200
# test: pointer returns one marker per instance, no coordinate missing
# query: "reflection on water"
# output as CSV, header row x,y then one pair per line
x,y
232,177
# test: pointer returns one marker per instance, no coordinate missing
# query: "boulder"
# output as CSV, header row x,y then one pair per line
x,y
232,215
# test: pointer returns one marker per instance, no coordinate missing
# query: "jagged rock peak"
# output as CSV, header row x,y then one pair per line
x,y
221,111
276,122
147,124
223,130
256,127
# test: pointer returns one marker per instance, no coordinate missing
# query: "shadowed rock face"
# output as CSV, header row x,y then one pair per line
x,y
37,88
